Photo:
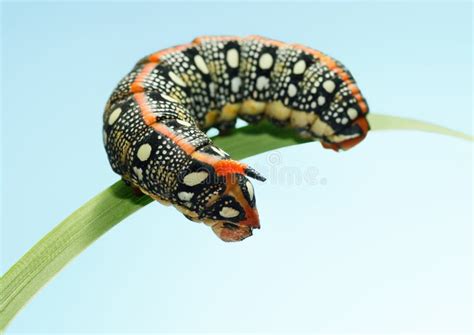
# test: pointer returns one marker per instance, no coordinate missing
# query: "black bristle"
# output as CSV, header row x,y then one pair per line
x,y
252,173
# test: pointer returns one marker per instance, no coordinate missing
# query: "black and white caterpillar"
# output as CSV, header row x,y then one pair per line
x,y
156,119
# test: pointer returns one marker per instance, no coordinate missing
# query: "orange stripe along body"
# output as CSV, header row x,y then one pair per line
x,y
156,118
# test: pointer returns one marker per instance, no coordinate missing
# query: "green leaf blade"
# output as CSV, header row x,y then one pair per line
x,y
45,259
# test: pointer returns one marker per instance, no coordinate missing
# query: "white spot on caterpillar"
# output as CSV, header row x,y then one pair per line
x,y
195,178
114,115
185,196
352,113
232,58
329,86
313,105
144,152
299,67
183,123
250,189
235,84
201,64
292,90
212,89
262,83
228,212
321,100
167,97
344,120
174,77
138,172
104,136
266,61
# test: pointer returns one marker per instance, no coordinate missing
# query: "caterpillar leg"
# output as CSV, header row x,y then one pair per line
x,y
310,125
225,128
135,189
227,118
348,137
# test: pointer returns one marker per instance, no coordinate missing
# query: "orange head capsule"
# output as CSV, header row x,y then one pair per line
x,y
234,213
221,196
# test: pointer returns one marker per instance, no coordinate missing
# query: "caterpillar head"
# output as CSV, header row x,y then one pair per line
x,y
233,214
224,198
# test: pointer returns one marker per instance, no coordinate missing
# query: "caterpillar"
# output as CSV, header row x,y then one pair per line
x,y
156,119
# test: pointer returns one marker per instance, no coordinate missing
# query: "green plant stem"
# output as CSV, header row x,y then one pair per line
x,y
39,265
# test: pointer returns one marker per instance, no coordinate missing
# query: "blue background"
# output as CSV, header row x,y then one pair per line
x,y
380,242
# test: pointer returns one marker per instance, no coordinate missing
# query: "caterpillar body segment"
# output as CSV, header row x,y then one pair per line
x,y
156,118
